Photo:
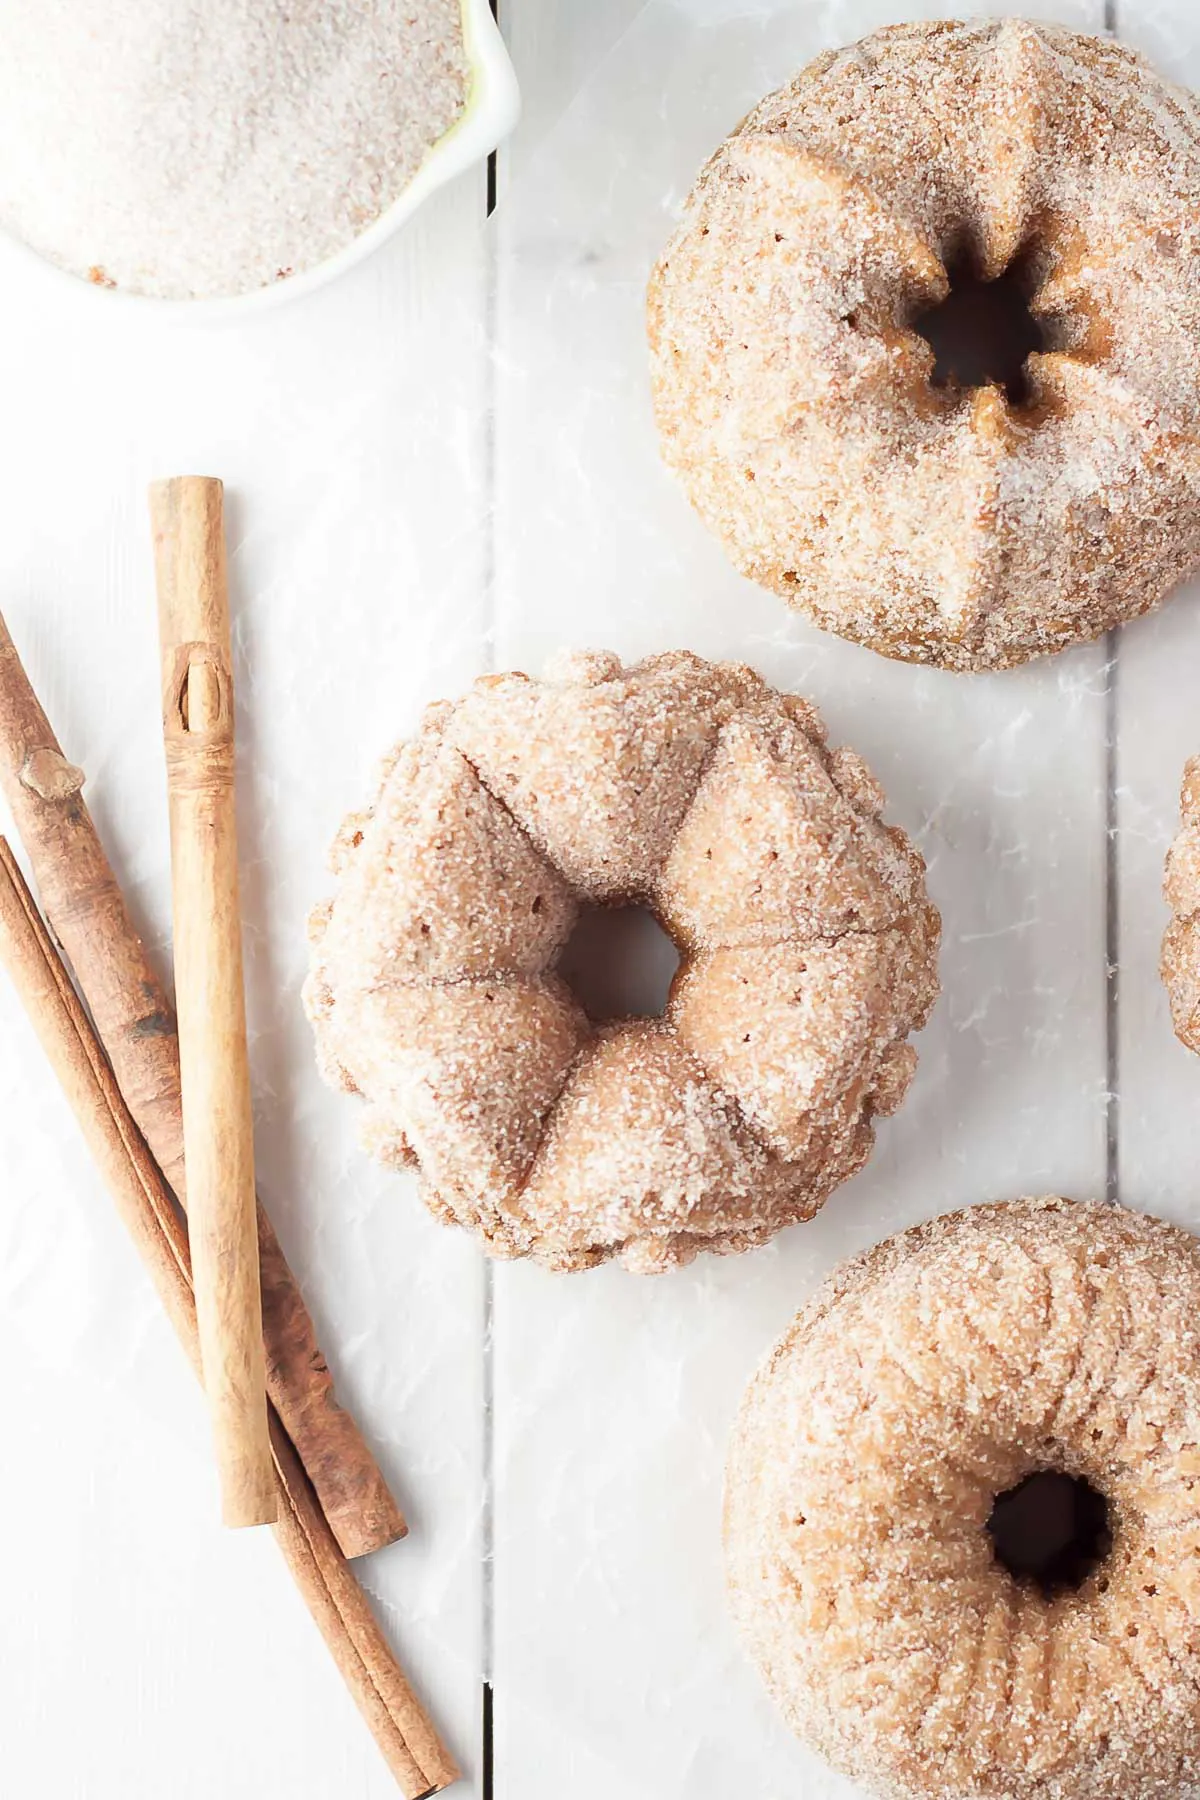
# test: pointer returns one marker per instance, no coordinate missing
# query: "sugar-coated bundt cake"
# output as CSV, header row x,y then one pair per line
x,y
1181,945
908,1624
807,943
798,405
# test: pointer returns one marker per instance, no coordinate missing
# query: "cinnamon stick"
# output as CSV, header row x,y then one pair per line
x,y
135,1023
407,1739
214,1057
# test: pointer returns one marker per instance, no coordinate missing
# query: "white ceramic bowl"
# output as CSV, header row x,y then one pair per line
x,y
490,114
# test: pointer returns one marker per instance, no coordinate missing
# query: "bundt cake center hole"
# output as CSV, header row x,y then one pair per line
x,y
619,963
982,333
1051,1529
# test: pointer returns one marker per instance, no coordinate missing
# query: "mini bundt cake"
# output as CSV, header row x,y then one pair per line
x,y
941,523
1181,945
807,943
963,1510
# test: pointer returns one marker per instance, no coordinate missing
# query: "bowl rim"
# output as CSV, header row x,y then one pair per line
x,y
492,108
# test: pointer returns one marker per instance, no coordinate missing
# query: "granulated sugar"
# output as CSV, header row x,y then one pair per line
x,y
191,148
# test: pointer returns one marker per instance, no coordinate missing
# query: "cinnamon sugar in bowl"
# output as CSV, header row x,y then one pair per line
x,y
221,154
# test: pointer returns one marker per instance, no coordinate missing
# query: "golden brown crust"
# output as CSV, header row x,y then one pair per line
x,y
809,954
924,1378
794,399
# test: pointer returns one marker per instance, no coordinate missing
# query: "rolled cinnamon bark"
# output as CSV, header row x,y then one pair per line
x,y
407,1739
135,1022
214,1057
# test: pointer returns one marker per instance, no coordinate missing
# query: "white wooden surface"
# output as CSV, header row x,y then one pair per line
x,y
410,509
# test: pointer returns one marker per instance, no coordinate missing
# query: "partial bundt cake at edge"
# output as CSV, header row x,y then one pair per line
x,y
1181,944
807,942
797,403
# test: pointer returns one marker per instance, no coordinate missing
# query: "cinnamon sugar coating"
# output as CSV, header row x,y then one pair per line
x,y
925,1378
808,954
795,400
1181,944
